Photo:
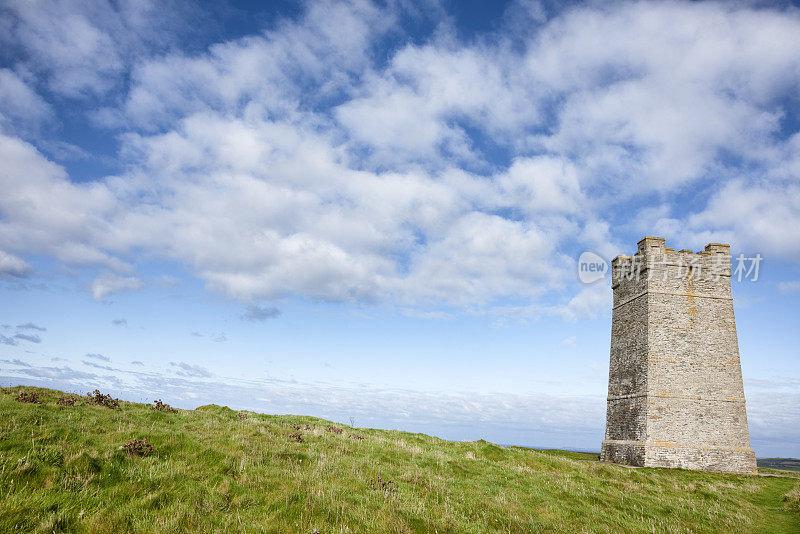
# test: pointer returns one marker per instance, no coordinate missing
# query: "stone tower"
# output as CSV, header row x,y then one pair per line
x,y
675,395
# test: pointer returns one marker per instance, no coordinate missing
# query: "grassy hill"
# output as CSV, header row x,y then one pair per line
x,y
784,464
216,469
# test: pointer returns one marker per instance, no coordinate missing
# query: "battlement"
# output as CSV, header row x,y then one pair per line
x,y
652,254
649,247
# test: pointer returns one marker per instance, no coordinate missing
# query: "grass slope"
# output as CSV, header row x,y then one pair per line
x,y
215,469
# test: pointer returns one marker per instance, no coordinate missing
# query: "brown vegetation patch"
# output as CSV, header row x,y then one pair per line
x,y
66,400
98,399
296,436
356,437
138,447
333,429
32,398
387,486
161,407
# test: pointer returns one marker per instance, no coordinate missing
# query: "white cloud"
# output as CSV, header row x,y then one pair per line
x,y
31,326
107,284
83,49
260,313
19,104
672,85
61,38
58,373
789,287
98,366
11,265
355,226
589,302
762,217
33,338
543,184
219,338
315,58
191,370
44,212
483,256
419,108
293,163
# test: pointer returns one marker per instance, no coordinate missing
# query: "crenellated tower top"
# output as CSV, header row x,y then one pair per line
x,y
654,257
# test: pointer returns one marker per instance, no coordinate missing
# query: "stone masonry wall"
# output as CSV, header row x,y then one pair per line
x,y
675,395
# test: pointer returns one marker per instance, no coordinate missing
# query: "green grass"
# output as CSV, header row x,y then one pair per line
x,y
216,469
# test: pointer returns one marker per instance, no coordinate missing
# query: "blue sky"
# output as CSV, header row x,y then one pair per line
x,y
374,210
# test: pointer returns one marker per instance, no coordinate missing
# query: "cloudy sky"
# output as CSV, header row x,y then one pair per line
x,y
374,210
